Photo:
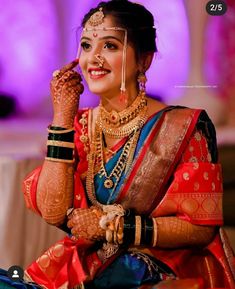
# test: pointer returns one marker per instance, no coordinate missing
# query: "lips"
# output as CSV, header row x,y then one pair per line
x,y
96,73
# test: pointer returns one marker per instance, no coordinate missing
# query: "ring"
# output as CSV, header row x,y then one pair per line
x,y
56,73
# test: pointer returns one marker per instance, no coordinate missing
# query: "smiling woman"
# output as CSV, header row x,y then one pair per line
x,y
135,183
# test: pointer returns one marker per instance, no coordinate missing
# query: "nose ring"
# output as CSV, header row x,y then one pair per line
x,y
100,60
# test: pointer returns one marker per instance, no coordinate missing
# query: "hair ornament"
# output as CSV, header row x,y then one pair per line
x,y
97,18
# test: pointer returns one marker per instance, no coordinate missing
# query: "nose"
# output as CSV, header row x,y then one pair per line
x,y
95,57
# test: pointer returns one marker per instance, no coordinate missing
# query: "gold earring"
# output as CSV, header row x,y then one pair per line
x,y
142,79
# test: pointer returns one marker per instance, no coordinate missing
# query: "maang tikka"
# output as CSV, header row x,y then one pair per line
x,y
97,18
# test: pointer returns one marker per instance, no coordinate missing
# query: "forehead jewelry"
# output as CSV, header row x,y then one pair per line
x,y
100,60
97,18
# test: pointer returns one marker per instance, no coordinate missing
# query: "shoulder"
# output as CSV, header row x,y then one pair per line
x,y
172,111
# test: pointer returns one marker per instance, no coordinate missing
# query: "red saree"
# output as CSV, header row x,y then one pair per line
x,y
179,180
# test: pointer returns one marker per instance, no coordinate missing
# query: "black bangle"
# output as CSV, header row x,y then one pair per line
x,y
56,127
129,229
142,242
148,231
57,152
68,137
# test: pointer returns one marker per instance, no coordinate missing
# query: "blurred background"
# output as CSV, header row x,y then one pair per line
x,y
194,66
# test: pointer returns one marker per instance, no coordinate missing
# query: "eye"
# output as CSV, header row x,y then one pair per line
x,y
110,45
85,45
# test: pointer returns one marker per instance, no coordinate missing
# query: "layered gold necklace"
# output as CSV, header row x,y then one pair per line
x,y
121,124
127,123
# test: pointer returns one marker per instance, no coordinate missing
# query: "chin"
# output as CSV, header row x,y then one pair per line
x,y
99,89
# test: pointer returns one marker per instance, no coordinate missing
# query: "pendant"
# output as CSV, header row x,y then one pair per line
x,y
108,183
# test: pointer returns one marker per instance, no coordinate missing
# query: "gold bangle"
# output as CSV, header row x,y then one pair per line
x,y
116,226
154,240
63,144
109,236
60,160
120,233
137,230
60,131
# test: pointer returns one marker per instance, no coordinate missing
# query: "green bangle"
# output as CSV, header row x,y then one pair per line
x,y
148,231
57,152
129,229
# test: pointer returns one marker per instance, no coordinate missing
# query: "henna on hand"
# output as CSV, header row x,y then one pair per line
x,y
84,223
66,88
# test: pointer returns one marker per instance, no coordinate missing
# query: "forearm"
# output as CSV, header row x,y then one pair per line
x,y
55,191
173,232
165,232
55,186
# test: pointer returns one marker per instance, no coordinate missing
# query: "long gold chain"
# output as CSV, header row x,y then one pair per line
x,y
122,164
96,155
125,158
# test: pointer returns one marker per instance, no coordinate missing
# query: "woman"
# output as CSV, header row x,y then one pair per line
x,y
138,184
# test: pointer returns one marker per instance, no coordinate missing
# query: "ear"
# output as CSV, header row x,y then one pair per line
x,y
145,61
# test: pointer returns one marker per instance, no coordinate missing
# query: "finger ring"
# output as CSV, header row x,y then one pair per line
x,y
56,73
69,211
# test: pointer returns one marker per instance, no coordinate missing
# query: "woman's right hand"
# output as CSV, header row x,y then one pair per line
x,y
66,88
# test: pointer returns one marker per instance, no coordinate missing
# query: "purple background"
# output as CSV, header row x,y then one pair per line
x,y
38,37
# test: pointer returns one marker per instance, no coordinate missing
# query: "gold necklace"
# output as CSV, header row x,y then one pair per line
x,y
127,121
125,130
117,119
96,157
121,164
124,162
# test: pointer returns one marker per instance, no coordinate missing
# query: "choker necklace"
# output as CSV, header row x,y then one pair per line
x,y
116,119
121,124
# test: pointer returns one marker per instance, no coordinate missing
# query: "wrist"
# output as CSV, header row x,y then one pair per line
x,y
63,123
61,120
60,144
139,230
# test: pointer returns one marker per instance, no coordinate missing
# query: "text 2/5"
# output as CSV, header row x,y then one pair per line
x,y
216,8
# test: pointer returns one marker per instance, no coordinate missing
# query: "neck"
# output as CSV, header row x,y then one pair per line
x,y
113,102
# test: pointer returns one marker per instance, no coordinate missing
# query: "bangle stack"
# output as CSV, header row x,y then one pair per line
x,y
124,227
140,230
60,144
112,222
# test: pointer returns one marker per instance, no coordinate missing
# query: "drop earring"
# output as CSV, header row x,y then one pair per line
x,y
142,79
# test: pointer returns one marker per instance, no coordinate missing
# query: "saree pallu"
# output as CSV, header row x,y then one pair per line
x,y
191,191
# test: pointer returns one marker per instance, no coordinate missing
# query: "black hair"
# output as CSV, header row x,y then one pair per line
x,y
134,17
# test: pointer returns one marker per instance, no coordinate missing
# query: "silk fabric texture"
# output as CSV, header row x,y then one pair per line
x,y
176,182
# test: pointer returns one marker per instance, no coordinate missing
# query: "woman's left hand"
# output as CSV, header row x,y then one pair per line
x,y
84,223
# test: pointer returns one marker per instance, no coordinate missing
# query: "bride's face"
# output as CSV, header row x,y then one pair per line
x,y
109,44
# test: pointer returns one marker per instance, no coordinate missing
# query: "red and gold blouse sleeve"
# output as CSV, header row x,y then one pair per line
x,y
195,193
29,188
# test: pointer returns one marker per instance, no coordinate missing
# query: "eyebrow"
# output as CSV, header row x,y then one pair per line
x,y
103,38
